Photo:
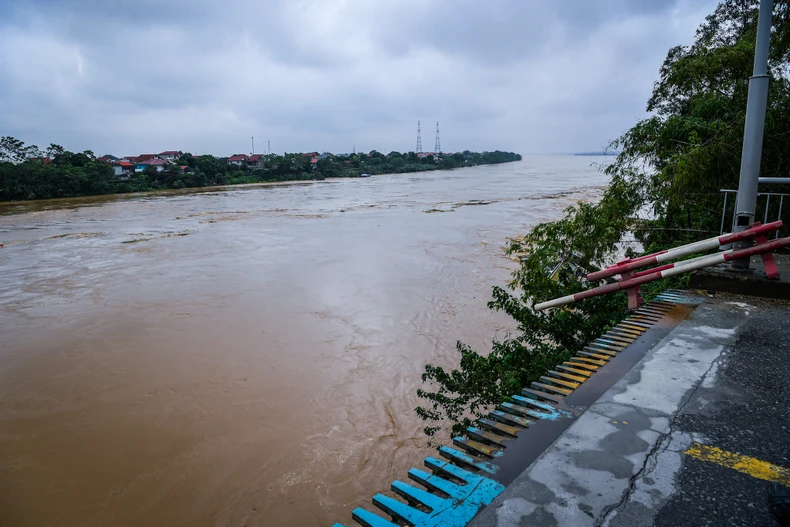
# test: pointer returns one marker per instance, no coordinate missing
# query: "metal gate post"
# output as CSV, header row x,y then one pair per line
x,y
753,131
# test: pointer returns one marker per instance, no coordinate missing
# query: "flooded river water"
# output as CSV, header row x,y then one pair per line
x,y
245,356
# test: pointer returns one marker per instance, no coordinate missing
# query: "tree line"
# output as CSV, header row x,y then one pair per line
x,y
28,173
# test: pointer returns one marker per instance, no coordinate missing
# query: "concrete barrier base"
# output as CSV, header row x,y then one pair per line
x,y
721,278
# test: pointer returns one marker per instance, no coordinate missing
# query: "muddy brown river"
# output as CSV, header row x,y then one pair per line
x,y
247,355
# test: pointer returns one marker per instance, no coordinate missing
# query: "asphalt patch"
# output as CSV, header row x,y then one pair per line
x,y
746,411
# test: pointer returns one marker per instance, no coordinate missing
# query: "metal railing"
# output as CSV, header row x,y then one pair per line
x,y
760,195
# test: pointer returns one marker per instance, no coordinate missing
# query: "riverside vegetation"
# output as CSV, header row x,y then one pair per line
x,y
27,173
670,165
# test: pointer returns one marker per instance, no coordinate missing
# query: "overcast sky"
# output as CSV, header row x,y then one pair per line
x,y
134,76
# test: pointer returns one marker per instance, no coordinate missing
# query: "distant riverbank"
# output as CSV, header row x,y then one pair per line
x,y
26,173
21,206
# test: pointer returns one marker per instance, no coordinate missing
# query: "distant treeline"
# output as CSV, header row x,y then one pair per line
x,y
27,173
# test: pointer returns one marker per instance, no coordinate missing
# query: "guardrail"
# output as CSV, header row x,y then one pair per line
x,y
630,279
766,195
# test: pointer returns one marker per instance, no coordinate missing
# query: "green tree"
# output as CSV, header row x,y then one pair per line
x,y
671,165
14,151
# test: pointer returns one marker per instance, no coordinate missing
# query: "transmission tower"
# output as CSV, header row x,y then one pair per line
x,y
438,147
419,139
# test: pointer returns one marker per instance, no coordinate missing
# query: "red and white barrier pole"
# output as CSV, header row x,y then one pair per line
x,y
663,272
683,250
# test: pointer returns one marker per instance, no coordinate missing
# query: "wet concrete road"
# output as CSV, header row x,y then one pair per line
x,y
690,436
745,411
244,356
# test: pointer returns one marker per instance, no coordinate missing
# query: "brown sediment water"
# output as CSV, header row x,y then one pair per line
x,y
245,356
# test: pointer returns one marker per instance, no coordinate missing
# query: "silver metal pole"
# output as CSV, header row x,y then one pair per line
x,y
753,131
774,180
723,212
767,207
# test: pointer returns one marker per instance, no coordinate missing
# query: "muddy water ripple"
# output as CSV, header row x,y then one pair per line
x,y
250,355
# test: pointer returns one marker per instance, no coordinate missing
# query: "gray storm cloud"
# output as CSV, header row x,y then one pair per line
x,y
136,76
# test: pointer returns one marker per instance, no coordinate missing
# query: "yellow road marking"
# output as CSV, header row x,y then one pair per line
x,y
747,465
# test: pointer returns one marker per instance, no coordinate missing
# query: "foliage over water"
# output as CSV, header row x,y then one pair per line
x,y
664,191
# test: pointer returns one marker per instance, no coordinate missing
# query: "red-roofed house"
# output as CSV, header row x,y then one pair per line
x,y
140,158
255,161
122,169
238,160
171,155
108,158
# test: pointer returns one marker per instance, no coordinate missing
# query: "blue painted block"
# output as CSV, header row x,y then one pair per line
x,y
525,411
535,403
450,469
463,457
553,413
433,482
409,493
456,511
398,509
368,519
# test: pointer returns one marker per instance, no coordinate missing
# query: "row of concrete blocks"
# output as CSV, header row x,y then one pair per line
x,y
458,487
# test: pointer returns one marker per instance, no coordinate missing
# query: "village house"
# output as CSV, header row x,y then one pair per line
x,y
122,169
255,161
158,164
238,160
170,155
140,158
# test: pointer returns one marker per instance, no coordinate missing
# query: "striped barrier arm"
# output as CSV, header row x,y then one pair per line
x,y
684,250
667,271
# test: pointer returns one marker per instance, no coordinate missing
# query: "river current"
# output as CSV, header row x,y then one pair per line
x,y
246,355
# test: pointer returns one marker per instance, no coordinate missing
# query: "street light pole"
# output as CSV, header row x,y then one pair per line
x,y
753,131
